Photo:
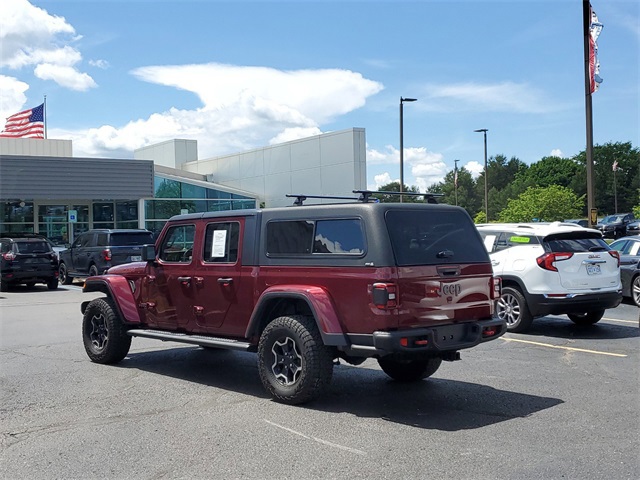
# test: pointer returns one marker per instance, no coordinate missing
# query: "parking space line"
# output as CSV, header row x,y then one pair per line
x,y
319,440
635,322
583,350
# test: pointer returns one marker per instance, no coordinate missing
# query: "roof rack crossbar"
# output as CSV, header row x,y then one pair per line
x,y
299,199
365,195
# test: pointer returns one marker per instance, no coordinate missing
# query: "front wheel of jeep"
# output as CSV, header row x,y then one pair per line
x,y
512,308
587,318
295,366
104,336
409,370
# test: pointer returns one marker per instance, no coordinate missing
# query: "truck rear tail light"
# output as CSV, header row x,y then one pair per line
x,y
615,254
106,254
384,295
547,260
496,287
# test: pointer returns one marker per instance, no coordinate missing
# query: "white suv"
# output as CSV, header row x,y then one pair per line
x,y
552,269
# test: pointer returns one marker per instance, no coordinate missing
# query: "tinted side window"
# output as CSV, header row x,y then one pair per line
x,y
102,240
339,236
221,242
177,245
434,237
289,237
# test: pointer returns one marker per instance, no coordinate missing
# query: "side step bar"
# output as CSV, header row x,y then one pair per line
x,y
201,340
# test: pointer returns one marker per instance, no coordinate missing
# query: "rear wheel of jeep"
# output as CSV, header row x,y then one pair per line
x,y
104,336
406,370
588,318
295,366
512,308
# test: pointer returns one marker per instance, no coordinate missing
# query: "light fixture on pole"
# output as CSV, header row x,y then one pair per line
x,y
486,189
402,100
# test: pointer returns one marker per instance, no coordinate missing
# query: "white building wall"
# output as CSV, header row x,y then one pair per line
x,y
36,147
328,164
172,153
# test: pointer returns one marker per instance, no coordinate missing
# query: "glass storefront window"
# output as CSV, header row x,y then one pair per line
x,y
17,211
165,188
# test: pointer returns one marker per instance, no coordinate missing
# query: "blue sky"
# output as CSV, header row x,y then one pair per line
x,y
238,75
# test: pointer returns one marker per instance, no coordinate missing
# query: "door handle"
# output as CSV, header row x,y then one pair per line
x,y
184,281
225,281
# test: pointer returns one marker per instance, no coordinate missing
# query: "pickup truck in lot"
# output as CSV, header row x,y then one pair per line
x,y
303,287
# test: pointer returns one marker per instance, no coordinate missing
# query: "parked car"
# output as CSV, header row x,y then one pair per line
x,y
407,284
27,259
552,269
629,248
615,226
583,222
633,228
95,251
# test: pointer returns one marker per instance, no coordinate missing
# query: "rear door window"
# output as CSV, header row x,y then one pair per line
x,y
434,237
221,242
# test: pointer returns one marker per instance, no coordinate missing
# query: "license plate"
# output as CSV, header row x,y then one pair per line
x,y
593,269
136,258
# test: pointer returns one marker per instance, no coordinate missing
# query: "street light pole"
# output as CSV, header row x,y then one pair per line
x,y
455,179
402,100
486,188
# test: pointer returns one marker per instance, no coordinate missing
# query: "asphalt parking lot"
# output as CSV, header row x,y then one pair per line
x,y
558,402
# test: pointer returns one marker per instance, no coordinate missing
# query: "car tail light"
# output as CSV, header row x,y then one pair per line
x,y
106,254
496,287
547,260
9,256
615,254
384,295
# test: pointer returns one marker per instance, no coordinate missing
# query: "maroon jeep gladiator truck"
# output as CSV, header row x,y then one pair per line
x,y
409,284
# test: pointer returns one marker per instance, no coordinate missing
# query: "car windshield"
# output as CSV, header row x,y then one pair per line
x,y
612,219
131,238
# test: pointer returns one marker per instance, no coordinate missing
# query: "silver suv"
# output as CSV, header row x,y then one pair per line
x,y
552,269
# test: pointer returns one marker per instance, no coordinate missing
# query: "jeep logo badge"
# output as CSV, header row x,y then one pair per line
x,y
451,289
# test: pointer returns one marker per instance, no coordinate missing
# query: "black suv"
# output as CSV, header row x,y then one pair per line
x,y
27,259
615,226
95,251
407,284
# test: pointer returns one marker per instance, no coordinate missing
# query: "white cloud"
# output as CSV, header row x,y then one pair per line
x,y
556,152
30,36
12,97
380,180
65,76
474,168
498,97
243,107
103,64
421,167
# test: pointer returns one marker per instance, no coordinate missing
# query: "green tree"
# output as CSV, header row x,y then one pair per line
x,y
627,178
466,191
395,187
544,203
501,174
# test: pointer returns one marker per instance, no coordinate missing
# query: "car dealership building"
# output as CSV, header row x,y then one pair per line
x,y
45,189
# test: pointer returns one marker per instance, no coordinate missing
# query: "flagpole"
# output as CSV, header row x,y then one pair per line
x,y
45,116
586,20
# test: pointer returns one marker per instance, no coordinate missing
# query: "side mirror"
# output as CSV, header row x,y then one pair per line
x,y
149,253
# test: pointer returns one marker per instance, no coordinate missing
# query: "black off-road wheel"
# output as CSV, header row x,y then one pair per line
x,y
295,366
512,308
63,275
409,370
587,318
103,333
52,284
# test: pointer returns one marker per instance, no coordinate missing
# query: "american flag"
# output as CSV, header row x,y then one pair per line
x,y
25,124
